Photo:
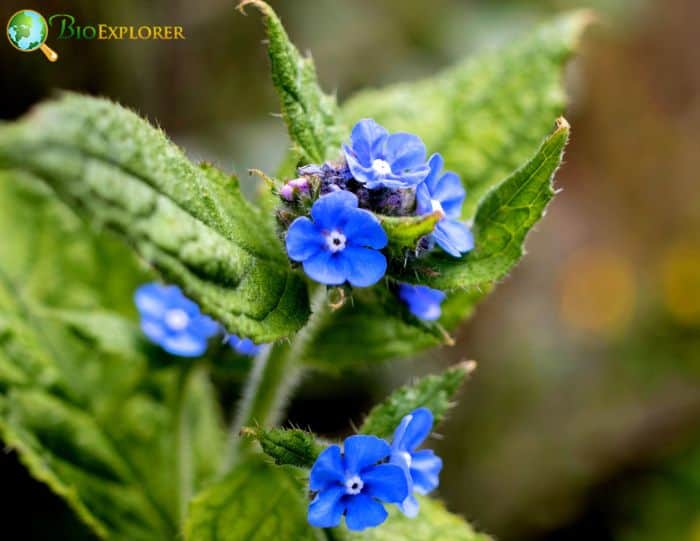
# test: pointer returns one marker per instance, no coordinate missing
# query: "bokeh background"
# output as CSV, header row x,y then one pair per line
x,y
583,419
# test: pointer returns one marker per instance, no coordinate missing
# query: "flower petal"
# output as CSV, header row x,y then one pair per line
x,y
153,328
412,430
425,471
405,151
423,301
151,300
366,139
413,177
329,211
359,172
327,469
409,506
451,193
326,510
362,451
327,268
364,512
424,203
363,229
435,163
386,482
177,299
365,266
203,326
184,344
454,237
303,239
243,346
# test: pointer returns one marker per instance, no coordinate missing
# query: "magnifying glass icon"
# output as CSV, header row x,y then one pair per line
x,y
27,31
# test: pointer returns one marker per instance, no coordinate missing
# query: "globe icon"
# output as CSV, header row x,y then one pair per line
x,y
27,31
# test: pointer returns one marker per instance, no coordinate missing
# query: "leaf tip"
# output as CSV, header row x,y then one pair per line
x,y
467,366
562,124
248,432
262,6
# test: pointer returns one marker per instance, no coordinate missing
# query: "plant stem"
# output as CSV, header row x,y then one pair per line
x,y
184,443
276,372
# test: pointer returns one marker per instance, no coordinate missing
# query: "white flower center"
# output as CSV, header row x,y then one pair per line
x,y
353,485
335,241
436,205
177,319
381,167
407,457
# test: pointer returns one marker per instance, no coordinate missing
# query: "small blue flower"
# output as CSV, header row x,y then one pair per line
x,y
173,321
243,346
423,301
354,483
341,244
422,468
378,159
446,193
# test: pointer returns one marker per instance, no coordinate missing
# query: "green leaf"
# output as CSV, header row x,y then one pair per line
x,y
287,447
503,220
311,116
434,392
255,501
487,115
404,232
433,523
79,400
190,222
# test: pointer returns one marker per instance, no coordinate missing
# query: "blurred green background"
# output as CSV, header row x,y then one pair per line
x,y
583,419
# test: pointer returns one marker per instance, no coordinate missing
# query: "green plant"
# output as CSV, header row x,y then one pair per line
x,y
132,438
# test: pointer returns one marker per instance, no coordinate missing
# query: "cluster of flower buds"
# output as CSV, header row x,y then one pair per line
x,y
330,213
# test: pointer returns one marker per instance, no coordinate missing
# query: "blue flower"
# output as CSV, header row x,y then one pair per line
x,y
446,193
244,346
341,244
422,468
423,301
173,321
354,484
379,159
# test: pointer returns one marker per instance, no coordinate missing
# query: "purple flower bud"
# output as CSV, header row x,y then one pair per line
x,y
300,184
294,186
287,192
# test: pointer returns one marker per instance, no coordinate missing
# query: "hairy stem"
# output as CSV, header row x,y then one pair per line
x,y
276,372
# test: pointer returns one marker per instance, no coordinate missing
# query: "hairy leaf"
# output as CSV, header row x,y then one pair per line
x,y
256,501
287,447
125,445
191,222
433,523
487,115
311,116
434,392
503,220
